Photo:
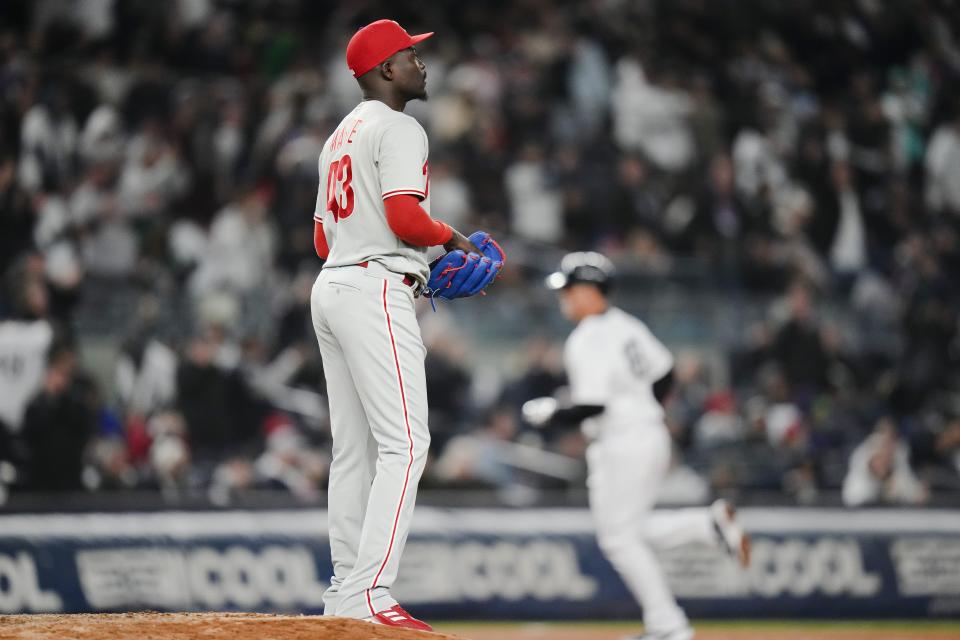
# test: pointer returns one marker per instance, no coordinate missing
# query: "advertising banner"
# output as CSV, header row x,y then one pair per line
x,y
534,564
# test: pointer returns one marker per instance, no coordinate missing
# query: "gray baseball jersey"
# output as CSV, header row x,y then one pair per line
x,y
375,153
373,355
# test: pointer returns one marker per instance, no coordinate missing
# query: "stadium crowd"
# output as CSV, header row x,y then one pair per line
x,y
806,154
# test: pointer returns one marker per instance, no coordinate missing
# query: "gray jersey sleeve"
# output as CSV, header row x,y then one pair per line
x,y
402,159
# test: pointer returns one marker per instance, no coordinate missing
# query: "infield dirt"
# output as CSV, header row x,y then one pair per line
x,y
209,626
254,626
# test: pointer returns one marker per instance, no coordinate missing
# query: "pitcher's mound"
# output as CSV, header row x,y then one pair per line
x,y
209,626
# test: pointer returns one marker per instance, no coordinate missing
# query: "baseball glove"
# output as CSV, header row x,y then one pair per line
x,y
460,275
490,248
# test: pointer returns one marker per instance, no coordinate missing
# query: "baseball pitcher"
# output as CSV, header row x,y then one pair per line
x,y
372,228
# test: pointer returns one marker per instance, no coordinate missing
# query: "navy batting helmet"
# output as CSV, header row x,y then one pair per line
x,y
587,267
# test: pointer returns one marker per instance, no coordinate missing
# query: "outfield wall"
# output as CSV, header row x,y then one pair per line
x,y
481,563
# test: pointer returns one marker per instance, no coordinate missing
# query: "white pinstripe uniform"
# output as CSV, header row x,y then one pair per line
x,y
372,351
612,359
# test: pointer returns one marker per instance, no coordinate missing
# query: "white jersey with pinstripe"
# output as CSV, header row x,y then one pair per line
x,y
374,153
613,359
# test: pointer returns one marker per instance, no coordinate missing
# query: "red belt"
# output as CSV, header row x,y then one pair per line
x,y
407,278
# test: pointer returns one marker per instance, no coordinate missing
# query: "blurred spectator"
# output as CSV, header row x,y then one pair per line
x,y
480,458
169,454
448,389
721,219
48,139
23,353
535,204
58,425
222,415
930,325
589,86
798,344
53,235
108,245
935,449
542,373
720,423
652,118
26,338
848,248
289,462
241,247
719,170
146,375
449,195
943,166
880,471
905,104
758,165
16,216
102,141
637,200
152,176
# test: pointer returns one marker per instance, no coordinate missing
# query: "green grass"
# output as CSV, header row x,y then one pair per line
x,y
714,630
887,625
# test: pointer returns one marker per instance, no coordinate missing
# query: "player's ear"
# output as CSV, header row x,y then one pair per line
x,y
386,68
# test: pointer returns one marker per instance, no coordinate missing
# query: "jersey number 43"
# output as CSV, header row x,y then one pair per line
x,y
339,191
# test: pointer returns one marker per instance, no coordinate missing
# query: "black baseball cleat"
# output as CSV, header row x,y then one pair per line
x,y
734,539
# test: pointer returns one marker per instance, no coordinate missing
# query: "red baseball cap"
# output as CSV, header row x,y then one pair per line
x,y
376,42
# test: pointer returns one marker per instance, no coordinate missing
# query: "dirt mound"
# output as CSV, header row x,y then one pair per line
x,y
209,626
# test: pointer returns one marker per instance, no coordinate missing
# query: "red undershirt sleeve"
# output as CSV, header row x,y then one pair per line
x,y
413,225
320,240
